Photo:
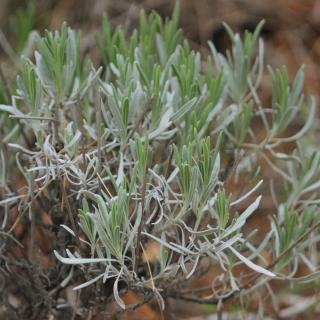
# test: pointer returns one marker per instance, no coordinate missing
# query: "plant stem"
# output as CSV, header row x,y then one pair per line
x,y
69,211
79,121
98,124
143,195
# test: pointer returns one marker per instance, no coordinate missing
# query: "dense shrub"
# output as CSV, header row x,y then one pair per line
x,y
145,149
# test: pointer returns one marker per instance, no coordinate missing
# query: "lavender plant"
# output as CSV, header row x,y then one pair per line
x,y
142,149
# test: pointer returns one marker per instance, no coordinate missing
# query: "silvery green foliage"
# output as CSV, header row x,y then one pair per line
x,y
161,123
